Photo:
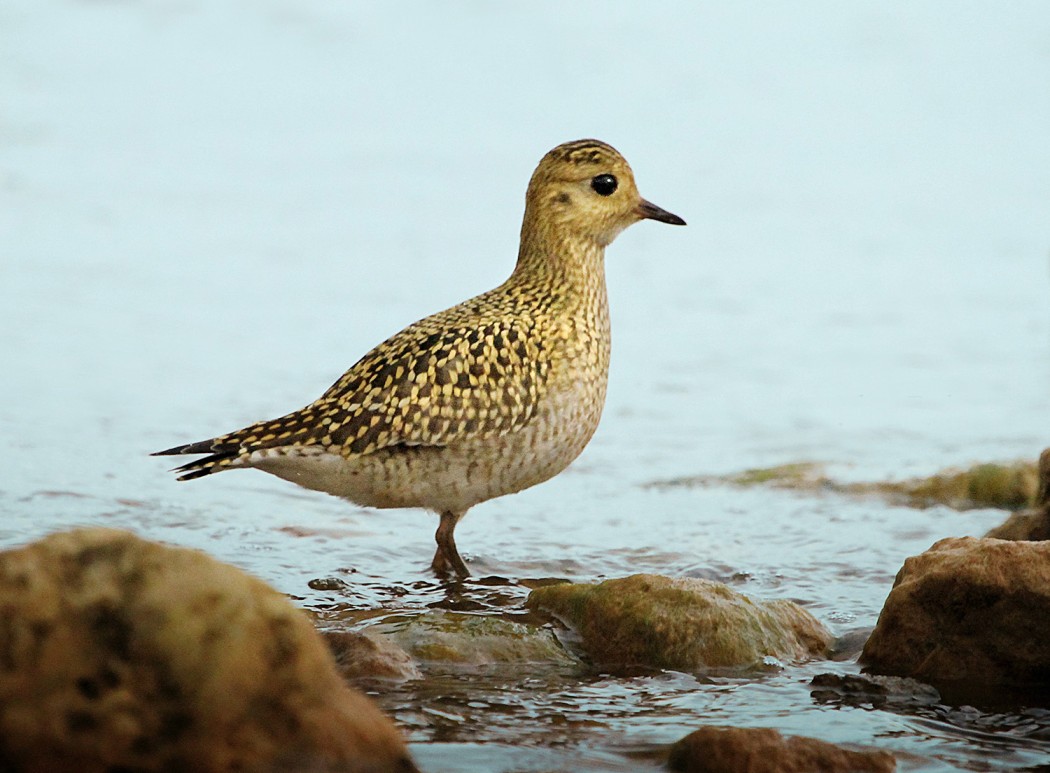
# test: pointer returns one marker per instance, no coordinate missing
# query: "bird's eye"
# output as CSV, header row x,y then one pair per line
x,y
604,184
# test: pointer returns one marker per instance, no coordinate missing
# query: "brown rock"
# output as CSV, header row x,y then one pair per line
x,y
118,653
761,750
1030,525
1033,524
968,609
656,621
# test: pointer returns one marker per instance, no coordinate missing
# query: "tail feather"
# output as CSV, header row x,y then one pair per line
x,y
200,447
221,454
229,450
198,468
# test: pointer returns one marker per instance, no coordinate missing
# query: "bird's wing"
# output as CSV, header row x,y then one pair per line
x,y
435,382
434,387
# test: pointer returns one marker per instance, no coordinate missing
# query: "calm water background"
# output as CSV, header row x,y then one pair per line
x,y
209,210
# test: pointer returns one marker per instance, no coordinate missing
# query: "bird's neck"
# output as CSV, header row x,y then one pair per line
x,y
566,278
565,261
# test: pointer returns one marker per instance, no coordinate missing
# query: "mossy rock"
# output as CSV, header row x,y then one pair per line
x,y
457,637
1010,486
693,624
1007,486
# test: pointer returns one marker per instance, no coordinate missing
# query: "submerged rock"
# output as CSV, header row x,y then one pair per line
x,y
360,656
762,750
467,639
655,621
874,690
122,654
968,609
799,476
1033,524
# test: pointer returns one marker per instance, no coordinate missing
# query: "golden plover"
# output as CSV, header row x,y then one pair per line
x,y
483,399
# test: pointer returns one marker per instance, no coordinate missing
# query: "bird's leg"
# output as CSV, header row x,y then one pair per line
x,y
446,558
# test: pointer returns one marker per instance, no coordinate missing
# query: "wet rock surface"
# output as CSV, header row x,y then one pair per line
x,y
687,623
967,609
762,750
122,654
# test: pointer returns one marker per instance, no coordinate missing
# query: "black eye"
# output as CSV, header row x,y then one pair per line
x,y
604,184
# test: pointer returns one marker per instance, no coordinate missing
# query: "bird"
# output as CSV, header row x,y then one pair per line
x,y
487,398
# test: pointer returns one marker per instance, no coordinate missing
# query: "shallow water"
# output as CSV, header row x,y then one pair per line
x,y
209,211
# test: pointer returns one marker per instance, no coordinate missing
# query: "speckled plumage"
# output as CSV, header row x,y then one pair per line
x,y
483,399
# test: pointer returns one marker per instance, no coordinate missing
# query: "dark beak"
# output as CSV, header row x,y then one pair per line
x,y
649,211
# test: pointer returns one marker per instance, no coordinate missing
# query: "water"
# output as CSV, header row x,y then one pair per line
x,y
210,210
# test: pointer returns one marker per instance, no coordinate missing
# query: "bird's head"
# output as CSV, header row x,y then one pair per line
x,y
586,190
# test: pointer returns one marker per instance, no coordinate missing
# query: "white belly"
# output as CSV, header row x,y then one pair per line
x,y
454,477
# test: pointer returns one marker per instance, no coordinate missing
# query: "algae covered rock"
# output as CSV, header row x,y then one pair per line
x,y
1033,524
650,620
121,654
1010,486
968,609
762,750
468,639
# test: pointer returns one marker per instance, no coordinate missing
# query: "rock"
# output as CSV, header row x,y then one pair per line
x,y
968,609
122,654
655,621
360,656
1030,525
847,646
762,750
476,640
1033,524
877,691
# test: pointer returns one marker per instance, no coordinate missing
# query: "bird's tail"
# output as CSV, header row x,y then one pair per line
x,y
220,456
234,449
